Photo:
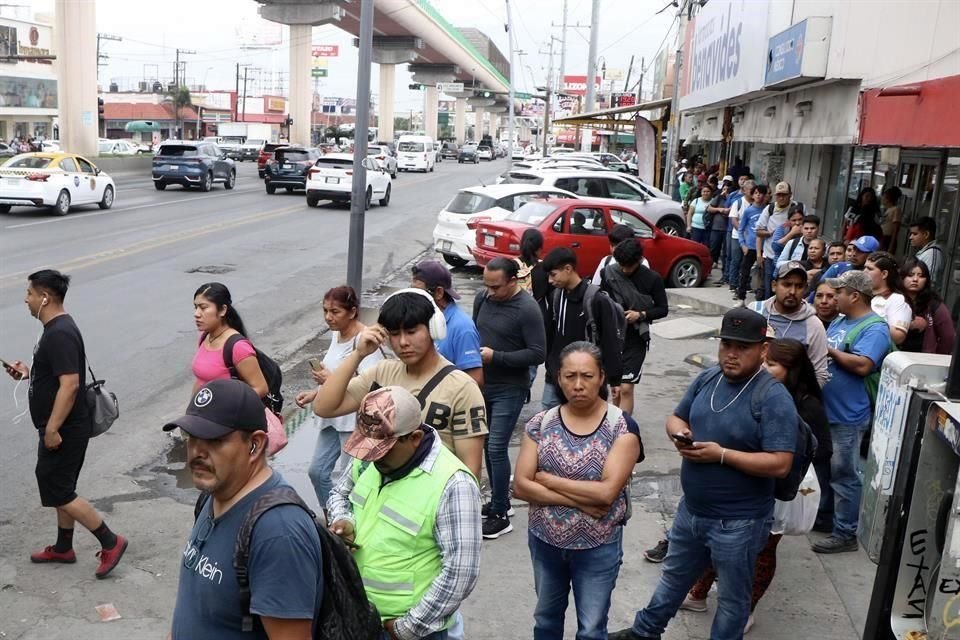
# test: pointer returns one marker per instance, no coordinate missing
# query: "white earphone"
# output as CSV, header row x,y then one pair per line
x,y
438,324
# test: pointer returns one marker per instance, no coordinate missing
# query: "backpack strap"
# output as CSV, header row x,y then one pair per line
x,y
198,507
275,497
759,395
228,354
858,328
709,376
432,384
480,300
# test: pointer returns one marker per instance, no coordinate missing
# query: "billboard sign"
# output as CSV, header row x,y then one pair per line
x,y
326,50
727,53
577,85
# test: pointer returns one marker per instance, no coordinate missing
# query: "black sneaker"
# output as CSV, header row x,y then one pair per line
x,y
834,544
627,634
658,553
495,526
485,510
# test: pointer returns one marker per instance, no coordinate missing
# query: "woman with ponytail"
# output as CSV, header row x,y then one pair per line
x,y
217,320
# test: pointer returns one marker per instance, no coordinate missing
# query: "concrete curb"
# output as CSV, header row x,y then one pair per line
x,y
700,303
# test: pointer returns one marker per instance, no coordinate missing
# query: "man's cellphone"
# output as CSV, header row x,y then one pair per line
x,y
315,364
682,439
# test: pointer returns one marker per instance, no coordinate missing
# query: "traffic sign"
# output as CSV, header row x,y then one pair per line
x,y
450,87
326,50
316,72
519,95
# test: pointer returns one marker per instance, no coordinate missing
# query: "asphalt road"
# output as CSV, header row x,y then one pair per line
x,y
136,266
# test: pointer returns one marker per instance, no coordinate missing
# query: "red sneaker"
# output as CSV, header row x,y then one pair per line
x,y
49,555
109,558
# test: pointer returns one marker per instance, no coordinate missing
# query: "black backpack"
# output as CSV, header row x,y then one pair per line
x,y
785,489
345,613
268,366
591,296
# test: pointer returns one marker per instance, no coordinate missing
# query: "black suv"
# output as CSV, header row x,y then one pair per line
x,y
192,164
288,169
450,150
468,153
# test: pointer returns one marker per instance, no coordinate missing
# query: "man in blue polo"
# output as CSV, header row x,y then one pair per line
x,y
462,344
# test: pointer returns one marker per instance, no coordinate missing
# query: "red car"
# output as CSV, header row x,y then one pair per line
x,y
582,225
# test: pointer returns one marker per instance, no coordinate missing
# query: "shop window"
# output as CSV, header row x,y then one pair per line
x,y
861,174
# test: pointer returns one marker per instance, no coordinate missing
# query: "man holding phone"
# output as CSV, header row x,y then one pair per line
x,y
733,445
60,413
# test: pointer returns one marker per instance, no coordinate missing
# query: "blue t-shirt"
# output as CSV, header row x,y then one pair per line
x,y
285,568
845,395
748,226
462,344
721,491
777,236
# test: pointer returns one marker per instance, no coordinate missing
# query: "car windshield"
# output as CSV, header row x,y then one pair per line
x,y
469,202
105,147
374,151
292,155
532,213
410,146
469,147
334,163
523,178
178,150
30,162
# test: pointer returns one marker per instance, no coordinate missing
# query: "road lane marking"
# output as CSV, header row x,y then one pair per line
x,y
147,245
80,216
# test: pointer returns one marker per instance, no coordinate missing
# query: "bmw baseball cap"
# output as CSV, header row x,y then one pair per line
x,y
866,244
219,407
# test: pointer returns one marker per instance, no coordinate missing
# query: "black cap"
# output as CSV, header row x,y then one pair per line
x,y
219,407
743,325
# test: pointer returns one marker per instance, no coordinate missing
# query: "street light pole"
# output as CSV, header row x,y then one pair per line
x,y
358,196
512,123
669,175
586,142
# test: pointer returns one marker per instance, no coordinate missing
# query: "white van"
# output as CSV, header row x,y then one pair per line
x,y
416,153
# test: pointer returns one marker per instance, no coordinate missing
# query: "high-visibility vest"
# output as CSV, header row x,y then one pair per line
x,y
398,556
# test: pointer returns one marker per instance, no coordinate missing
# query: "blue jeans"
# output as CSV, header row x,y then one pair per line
x,y
732,546
716,243
593,574
731,264
846,477
700,235
769,264
504,405
551,396
328,450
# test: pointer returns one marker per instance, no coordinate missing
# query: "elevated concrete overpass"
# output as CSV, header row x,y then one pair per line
x,y
405,32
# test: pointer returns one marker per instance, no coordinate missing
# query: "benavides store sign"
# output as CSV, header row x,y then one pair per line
x,y
724,52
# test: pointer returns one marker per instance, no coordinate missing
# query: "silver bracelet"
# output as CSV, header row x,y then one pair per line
x,y
723,452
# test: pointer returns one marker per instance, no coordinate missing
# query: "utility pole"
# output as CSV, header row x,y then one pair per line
x,y
511,121
244,110
669,175
549,96
586,142
358,195
563,43
177,79
103,56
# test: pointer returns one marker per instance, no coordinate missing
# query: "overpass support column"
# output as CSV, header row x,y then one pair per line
x,y
478,131
75,34
301,89
388,74
460,121
430,111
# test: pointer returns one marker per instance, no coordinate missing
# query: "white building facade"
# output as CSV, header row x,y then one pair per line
x,y
28,80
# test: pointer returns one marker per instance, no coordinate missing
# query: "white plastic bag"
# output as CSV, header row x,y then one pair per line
x,y
796,518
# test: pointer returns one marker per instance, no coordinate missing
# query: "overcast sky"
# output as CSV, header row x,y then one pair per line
x,y
216,29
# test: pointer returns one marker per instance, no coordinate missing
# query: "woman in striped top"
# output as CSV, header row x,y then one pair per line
x,y
574,466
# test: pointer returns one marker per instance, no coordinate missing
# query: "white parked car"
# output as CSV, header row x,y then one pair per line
x,y
455,233
485,152
55,180
116,148
663,212
384,157
331,178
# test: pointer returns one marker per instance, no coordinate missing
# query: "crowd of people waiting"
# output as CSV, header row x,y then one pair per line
x,y
412,410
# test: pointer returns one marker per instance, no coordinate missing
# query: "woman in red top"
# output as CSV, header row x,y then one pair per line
x,y
217,320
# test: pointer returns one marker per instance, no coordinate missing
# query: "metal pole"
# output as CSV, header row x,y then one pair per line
x,y
358,196
586,143
563,47
244,110
511,122
236,102
549,101
669,175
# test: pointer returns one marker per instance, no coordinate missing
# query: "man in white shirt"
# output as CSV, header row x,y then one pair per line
x,y
772,217
734,254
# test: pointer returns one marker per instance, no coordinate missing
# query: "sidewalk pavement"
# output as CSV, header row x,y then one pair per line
x,y
812,596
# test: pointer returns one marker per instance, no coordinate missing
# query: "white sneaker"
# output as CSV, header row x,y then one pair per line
x,y
749,625
692,604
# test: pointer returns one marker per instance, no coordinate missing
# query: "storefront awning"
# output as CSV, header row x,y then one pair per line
x,y
604,118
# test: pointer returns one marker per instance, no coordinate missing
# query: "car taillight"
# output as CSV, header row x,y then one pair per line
x,y
513,246
39,177
381,157
472,223
312,173
349,173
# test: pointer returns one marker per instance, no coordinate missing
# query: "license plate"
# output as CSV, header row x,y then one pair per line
x,y
333,180
286,166
170,167
445,245
489,241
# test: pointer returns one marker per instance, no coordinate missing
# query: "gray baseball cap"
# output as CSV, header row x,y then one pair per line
x,y
859,281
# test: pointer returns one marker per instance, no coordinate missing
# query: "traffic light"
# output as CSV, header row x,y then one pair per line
x,y
288,122
100,110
